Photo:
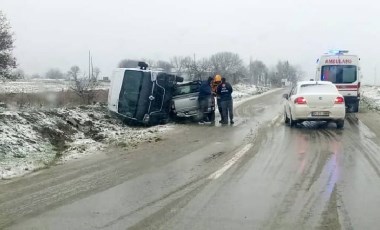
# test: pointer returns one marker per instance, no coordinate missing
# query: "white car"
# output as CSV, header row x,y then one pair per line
x,y
314,101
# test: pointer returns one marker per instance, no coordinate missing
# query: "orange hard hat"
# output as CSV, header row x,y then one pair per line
x,y
218,78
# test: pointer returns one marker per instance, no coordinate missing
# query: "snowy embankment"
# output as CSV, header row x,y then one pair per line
x,y
371,96
31,140
242,91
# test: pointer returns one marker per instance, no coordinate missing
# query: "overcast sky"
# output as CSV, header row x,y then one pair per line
x,y
58,34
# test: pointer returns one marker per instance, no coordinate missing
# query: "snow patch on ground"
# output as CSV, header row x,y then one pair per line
x,y
243,91
262,93
371,95
31,140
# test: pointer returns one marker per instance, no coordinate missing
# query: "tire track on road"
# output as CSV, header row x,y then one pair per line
x,y
302,194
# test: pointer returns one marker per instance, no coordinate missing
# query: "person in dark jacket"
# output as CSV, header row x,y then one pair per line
x,y
224,90
203,99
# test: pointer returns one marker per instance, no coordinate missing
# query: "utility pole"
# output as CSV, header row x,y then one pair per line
x,y
374,79
250,69
89,64
92,69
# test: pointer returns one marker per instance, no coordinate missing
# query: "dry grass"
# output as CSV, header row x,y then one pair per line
x,y
52,99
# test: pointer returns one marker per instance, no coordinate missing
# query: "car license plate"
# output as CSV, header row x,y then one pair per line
x,y
320,113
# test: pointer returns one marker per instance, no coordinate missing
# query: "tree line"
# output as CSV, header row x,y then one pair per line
x,y
227,64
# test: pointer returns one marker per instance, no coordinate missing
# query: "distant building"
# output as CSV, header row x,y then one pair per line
x,y
106,79
285,82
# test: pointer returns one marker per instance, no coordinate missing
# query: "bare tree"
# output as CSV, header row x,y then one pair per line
x,y
258,72
300,74
288,72
274,77
54,74
285,71
7,61
202,69
282,69
84,87
35,76
17,74
193,70
73,72
189,68
178,64
229,65
166,66
96,73
78,85
184,66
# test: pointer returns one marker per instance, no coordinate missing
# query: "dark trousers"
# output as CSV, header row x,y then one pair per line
x,y
203,109
227,110
219,104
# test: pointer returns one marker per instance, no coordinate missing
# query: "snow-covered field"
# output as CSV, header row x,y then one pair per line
x,y
371,95
40,85
33,139
30,140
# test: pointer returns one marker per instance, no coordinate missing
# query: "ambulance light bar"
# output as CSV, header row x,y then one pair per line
x,y
338,52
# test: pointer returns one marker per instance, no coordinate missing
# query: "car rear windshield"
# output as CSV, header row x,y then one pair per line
x,y
186,89
318,89
339,73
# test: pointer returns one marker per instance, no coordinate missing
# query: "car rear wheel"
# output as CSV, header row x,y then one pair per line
x,y
292,122
340,124
286,119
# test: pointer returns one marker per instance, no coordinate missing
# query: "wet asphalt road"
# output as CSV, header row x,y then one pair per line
x,y
257,174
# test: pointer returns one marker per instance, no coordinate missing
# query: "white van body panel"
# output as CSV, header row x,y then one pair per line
x,y
114,91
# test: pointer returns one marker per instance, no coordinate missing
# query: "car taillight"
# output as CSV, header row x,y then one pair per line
x,y
300,100
339,100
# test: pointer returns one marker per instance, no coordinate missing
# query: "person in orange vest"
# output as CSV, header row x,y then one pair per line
x,y
214,86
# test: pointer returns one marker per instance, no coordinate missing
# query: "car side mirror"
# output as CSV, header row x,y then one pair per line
x,y
286,96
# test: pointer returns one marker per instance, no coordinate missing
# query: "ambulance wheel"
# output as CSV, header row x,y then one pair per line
x,y
355,107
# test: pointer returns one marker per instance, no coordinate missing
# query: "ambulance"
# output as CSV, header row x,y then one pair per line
x,y
343,70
